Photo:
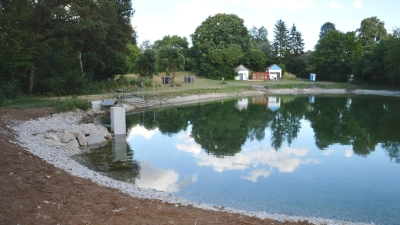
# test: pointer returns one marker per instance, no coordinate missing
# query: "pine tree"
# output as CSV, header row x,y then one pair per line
x,y
281,43
296,42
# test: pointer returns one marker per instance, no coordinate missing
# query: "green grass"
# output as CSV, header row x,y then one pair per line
x,y
58,104
200,86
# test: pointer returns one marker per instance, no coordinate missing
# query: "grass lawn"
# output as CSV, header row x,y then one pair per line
x,y
200,86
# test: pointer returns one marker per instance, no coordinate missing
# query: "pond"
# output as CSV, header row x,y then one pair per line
x,y
334,157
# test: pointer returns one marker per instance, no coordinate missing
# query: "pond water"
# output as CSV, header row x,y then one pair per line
x,y
334,157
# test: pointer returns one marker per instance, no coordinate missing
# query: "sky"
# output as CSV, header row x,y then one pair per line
x,y
154,19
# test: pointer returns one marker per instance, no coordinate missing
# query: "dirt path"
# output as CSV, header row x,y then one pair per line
x,y
35,192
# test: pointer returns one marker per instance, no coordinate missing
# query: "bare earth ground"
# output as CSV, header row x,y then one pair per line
x,y
35,192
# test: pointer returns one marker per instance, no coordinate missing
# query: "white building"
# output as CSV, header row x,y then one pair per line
x,y
243,73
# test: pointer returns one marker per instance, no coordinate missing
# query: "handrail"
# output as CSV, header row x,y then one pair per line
x,y
144,91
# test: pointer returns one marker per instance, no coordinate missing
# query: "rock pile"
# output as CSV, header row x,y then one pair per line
x,y
83,135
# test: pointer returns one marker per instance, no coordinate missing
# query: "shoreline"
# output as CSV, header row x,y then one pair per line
x,y
31,137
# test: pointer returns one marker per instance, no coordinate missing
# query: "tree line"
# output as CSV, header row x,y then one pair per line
x,y
63,47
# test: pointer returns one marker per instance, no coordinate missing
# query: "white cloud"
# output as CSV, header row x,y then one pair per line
x,y
285,160
161,179
357,4
190,145
140,130
327,152
348,153
335,5
275,6
191,148
255,174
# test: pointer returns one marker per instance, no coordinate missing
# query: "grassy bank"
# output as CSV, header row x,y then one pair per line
x,y
200,86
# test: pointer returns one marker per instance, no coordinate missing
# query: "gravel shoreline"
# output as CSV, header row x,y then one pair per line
x,y
31,136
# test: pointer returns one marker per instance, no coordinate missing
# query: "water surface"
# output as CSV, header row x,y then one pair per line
x,y
333,157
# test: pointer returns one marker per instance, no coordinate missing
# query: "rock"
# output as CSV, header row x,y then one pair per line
x,y
67,137
91,113
95,139
82,139
86,119
60,130
52,137
73,147
102,130
109,137
75,131
51,142
88,128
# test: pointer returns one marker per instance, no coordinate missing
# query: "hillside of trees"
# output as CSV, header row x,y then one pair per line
x,y
64,47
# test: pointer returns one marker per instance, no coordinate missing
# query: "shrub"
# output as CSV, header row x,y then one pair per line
x,y
70,104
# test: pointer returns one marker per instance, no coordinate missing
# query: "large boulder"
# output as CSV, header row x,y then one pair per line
x,y
95,138
102,130
82,139
88,128
67,137
73,147
75,131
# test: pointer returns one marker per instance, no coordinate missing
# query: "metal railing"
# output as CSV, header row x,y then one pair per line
x,y
143,94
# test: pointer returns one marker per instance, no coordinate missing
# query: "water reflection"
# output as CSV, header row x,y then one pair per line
x,y
119,148
221,131
161,179
334,153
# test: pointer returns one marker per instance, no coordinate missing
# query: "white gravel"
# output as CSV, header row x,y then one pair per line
x,y
31,136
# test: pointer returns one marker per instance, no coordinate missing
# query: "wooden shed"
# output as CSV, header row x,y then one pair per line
x,y
259,76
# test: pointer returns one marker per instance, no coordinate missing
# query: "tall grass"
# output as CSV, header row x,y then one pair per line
x,y
69,104
58,104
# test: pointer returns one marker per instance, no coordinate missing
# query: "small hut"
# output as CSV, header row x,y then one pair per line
x,y
243,73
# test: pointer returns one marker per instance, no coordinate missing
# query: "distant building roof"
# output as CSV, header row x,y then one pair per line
x,y
274,67
241,68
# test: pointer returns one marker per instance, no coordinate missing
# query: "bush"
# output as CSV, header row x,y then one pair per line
x,y
70,104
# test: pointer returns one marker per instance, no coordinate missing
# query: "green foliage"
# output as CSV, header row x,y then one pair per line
x,y
336,55
257,60
214,40
296,48
283,67
325,28
171,60
55,40
371,31
281,43
70,104
223,62
380,65
171,42
146,63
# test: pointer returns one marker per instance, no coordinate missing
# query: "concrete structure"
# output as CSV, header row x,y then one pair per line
x,y
118,123
274,72
96,105
243,73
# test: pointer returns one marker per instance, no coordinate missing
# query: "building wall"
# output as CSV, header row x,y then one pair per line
x,y
243,75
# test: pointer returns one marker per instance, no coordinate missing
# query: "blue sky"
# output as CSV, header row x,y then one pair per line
x,y
155,19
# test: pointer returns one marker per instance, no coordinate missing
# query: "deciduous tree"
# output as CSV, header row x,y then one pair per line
x,y
336,55
325,28
171,60
371,31
213,41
